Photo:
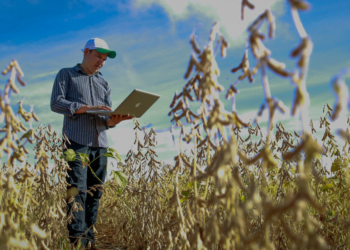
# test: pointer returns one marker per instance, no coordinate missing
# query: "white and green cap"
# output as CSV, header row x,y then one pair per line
x,y
99,45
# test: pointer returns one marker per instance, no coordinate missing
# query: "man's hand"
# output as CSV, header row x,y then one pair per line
x,y
99,107
85,108
115,119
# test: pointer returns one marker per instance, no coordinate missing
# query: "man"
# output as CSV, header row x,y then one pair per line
x,y
75,91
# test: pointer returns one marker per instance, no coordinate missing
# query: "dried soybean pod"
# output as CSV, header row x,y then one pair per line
x,y
194,44
25,150
230,92
257,125
248,4
250,76
272,24
302,61
272,28
35,117
194,115
199,133
174,100
66,138
282,126
275,68
236,69
60,210
257,23
38,232
37,137
256,68
223,51
240,78
11,82
188,95
18,68
276,63
19,79
12,145
214,30
190,66
296,134
280,105
295,52
329,107
22,126
180,105
7,69
244,65
158,162
300,4
224,46
324,136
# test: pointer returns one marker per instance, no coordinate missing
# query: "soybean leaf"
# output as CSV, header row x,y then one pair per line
x,y
70,155
186,193
327,187
331,213
111,152
79,245
336,152
84,159
120,179
336,165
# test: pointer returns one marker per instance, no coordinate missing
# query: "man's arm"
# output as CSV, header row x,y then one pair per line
x,y
59,104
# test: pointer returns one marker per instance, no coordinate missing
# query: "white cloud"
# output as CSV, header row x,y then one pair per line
x,y
228,12
45,74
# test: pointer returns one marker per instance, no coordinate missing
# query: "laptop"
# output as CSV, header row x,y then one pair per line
x,y
136,104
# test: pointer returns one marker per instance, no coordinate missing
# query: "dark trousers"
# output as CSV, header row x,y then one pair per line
x,y
82,179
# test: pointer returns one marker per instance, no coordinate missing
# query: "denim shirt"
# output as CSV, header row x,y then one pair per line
x,y
72,89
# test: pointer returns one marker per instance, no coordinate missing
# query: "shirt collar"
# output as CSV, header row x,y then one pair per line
x,y
78,68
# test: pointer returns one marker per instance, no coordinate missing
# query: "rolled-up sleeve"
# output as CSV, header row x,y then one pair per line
x,y
59,104
108,103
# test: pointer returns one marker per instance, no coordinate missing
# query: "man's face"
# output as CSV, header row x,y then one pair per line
x,y
94,60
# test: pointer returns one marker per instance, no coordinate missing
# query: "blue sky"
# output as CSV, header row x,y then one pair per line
x,y
151,39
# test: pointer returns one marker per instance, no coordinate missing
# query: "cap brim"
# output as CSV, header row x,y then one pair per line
x,y
111,53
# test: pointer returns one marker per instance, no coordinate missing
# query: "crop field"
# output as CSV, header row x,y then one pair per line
x,y
242,186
